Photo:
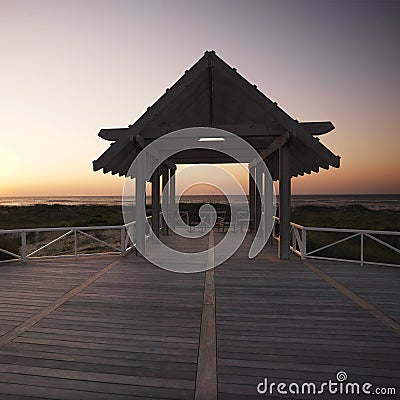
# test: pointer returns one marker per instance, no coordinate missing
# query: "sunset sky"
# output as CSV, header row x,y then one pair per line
x,y
70,68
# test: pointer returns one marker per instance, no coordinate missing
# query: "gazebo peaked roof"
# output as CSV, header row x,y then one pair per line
x,y
212,94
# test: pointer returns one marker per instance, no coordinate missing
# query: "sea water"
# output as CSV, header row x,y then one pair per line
x,y
371,201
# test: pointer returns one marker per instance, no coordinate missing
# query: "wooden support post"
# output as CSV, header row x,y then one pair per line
x,y
284,202
268,204
165,197
172,205
252,192
258,210
155,202
140,210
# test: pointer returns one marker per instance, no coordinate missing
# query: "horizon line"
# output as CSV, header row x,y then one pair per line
x,y
205,194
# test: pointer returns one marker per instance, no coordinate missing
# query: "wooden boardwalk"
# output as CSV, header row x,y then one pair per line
x,y
97,328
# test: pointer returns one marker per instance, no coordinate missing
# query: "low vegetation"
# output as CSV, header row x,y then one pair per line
x,y
352,217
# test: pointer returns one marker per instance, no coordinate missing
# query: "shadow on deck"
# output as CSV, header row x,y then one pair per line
x,y
99,329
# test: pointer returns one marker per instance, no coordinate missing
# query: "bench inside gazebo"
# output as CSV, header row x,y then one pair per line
x,y
213,94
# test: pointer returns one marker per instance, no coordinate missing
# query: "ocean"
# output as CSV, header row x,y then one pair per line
x,y
372,201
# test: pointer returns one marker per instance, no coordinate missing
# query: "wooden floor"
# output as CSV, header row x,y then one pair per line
x,y
100,329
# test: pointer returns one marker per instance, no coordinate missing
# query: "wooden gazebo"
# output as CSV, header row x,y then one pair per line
x,y
213,94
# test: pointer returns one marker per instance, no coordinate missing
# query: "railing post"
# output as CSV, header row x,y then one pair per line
x,y
303,243
75,244
362,249
23,247
123,238
294,245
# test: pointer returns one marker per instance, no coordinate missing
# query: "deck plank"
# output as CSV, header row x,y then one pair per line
x,y
134,332
278,319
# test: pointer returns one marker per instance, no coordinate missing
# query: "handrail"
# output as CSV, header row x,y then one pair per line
x,y
344,230
126,244
66,228
298,243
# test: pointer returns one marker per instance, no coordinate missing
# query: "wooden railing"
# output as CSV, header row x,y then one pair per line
x,y
299,235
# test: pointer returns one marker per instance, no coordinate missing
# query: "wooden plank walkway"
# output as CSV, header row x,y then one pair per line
x,y
279,320
130,330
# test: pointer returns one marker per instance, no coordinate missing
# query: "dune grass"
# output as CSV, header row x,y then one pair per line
x,y
52,216
352,217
